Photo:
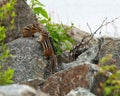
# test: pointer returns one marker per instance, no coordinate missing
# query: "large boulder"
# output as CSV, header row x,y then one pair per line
x,y
27,59
59,84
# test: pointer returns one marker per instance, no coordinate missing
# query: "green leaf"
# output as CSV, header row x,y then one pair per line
x,y
13,14
40,10
6,76
107,91
2,32
39,3
10,74
43,21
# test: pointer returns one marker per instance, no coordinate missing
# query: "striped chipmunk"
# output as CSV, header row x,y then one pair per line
x,y
46,42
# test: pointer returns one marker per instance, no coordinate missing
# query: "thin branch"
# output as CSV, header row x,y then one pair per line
x,y
100,25
111,21
97,30
81,44
89,28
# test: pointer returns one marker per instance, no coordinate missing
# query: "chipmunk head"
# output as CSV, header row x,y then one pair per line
x,y
29,30
34,27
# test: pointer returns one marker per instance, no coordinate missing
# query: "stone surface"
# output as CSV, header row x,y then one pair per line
x,y
99,79
27,59
111,46
87,56
70,78
40,93
78,34
20,90
24,16
80,92
17,90
33,82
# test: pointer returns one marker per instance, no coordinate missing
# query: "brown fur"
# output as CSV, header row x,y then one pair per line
x,y
29,30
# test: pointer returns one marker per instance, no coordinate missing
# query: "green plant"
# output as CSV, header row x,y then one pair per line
x,y
5,11
40,11
6,76
62,41
58,32
111,87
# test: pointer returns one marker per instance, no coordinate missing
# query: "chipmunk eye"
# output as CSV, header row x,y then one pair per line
x,y
34,25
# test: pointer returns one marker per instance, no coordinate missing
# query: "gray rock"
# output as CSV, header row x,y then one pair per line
x,y
34,82
87,56
27,59
17,90
24,16
78,34
40,93
80,92
111,46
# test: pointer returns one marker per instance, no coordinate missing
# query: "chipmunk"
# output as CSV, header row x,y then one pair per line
x,y
29,30
49,51
46,43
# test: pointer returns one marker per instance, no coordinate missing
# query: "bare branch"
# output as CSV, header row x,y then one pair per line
x,y
92,35
89,28
111,21
100,26
75,50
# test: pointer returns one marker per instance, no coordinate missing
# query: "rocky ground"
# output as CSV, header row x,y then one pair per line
x,y
77,78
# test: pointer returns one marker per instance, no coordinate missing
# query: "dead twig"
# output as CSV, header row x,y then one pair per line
x,y
81,47
89,28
